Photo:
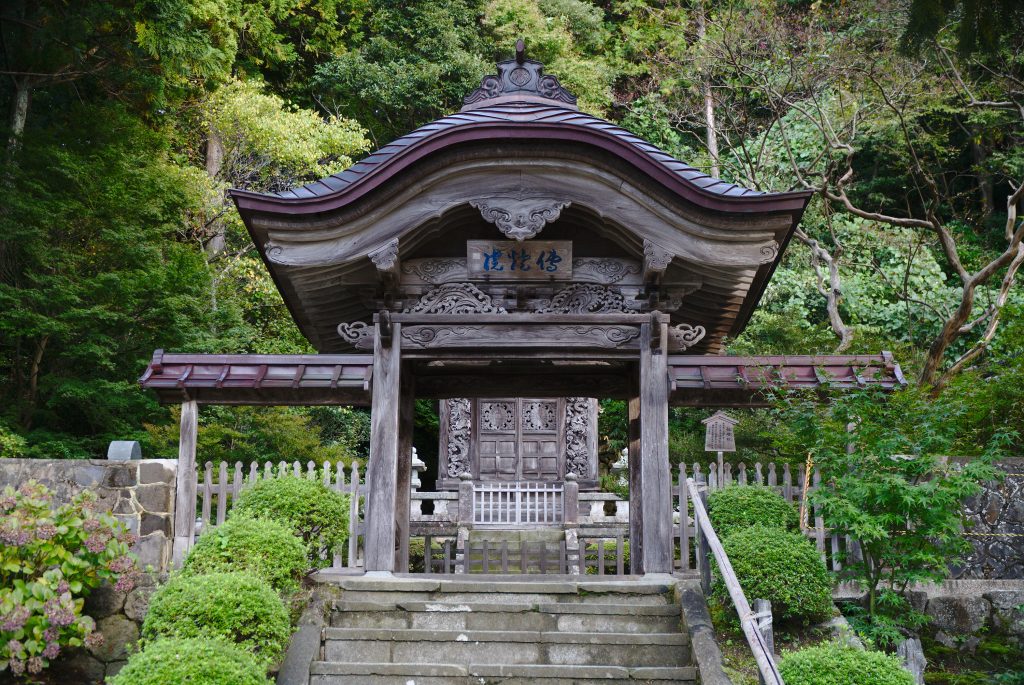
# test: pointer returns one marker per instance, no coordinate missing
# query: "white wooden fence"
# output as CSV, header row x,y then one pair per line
x,y
216,491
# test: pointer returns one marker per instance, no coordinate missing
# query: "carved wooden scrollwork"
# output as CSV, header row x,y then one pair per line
x,y
437,270
385,257
497,417
604,270
656,260
684,336
769,252
584,298
459,424
520,219
539,415
359,334
455,298
577,430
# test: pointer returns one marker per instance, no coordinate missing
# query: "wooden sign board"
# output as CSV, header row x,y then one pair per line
x,y
511,260
718,435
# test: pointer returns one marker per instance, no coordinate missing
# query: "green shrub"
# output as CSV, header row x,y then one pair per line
x,y
263,547
51,557
313,511
202,661
837,664
239,607
742,506
784,568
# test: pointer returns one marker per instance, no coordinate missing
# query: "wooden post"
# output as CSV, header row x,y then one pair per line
x,y
656,475
185,484
703,549
763,611
636,493
406,419
382,470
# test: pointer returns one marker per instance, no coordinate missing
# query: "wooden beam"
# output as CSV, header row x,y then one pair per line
x,y
636,491
655,473
382,470
185,484
406,420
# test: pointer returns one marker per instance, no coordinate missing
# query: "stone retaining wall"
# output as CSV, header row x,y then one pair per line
x,y
139,493
995,526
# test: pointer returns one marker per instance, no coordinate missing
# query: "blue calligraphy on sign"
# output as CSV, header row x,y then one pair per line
x,y
492,260
549,260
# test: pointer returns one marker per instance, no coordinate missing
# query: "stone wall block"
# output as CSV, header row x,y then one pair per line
x,y
104,601
120,475
125,505
119,632
1008,611
155,523
958,614
156,471
137,603
131,521
152,551
76,666
154,498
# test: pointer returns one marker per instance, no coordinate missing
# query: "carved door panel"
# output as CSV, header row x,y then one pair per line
x,y
518,439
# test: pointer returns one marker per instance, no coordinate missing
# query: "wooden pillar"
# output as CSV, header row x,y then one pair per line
x,y
406,420
185,484
636,492
655,473
382,469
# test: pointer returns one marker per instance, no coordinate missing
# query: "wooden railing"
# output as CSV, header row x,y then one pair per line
x,y
706,537
791,484
518,503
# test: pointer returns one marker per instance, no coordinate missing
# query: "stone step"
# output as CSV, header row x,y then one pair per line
x,y
544,617
505,646
386,673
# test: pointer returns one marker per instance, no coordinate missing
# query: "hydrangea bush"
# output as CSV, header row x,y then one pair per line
x,y
50,559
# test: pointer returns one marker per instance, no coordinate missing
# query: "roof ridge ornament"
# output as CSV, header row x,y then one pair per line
x,y
519,80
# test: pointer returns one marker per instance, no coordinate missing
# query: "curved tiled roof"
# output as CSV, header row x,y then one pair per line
x,y
525,113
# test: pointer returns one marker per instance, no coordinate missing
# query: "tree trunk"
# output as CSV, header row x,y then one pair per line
x,y
214,163
830,288
19,114
33,383
709,100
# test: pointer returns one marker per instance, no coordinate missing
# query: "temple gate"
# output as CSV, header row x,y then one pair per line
x,y
516,260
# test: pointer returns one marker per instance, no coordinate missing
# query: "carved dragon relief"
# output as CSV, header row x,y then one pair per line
x,y
459,423
584,298
577,441
520,218
455,298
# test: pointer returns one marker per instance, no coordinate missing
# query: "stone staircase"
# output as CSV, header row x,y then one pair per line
x,y
403,631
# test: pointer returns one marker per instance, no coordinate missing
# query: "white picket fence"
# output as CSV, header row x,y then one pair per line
x,y
216,491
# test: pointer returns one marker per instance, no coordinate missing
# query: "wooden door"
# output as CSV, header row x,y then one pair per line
x,y
519,439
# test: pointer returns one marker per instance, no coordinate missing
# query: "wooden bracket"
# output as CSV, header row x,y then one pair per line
x,y
383,320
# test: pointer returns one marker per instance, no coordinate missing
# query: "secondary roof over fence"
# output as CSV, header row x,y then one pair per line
x,y
337,379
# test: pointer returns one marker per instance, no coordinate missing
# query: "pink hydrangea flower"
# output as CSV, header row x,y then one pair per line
x,y
94,639
51,650
15,620
35,665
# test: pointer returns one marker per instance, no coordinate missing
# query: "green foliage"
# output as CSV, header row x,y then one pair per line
x,y
11,444
894,492
239,607
263,547
251,434
784,568
205,660
312,511
610,563
742,506
836,664
893,618
270,144
52,556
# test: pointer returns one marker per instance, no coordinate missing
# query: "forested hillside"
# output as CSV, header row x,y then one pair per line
x,y
127,122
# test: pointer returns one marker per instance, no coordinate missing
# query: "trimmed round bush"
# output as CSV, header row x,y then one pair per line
x,y
239,607
309,508
784,568
836,664
263,547
742,506
202,661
